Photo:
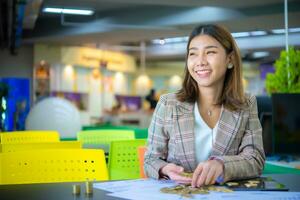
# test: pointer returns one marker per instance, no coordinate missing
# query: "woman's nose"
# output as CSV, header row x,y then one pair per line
x,y
201,60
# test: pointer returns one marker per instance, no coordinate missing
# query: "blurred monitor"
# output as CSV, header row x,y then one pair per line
x,y
264,106
131,103
286,123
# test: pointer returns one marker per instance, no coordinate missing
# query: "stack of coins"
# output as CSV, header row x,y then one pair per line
x,y
76,189
88,188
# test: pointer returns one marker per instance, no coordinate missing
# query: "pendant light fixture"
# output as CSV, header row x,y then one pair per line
x,y
143,82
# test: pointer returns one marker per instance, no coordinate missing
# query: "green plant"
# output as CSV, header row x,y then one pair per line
x,y
286,78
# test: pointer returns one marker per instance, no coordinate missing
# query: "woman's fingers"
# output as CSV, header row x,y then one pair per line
x,y
210,175
206,173
202,176
214,180
167,169
173,172
180,179
196,175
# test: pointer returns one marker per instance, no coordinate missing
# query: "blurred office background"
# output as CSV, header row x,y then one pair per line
x,y
107,59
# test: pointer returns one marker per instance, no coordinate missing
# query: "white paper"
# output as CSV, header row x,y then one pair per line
x,y
133,185
237,195
149,189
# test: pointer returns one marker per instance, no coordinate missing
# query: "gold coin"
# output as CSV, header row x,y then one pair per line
x,y
186,174
254,182
232,183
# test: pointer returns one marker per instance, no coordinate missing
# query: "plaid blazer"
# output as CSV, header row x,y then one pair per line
x,y
171,139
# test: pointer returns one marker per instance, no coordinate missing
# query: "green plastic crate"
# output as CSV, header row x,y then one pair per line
x,y
140,133
123,159
104,136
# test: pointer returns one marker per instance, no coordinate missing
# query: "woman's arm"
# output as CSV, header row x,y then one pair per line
x,y
157,147
251,157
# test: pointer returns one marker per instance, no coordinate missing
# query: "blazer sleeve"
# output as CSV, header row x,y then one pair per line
x,y
249,161
157,144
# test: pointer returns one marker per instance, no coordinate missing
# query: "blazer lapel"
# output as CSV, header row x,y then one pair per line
x,y
228,126
186,132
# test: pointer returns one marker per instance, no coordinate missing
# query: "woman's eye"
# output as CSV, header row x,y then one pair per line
x,y
211,52
191,54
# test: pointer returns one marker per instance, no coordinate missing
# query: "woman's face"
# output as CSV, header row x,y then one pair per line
x,y
207,61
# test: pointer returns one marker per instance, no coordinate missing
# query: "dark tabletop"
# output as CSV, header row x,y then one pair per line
x,y
57,191
291,181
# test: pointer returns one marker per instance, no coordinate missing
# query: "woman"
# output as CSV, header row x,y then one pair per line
x,y
210,127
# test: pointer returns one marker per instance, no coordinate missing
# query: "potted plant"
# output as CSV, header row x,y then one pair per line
x,y
286,78
284,86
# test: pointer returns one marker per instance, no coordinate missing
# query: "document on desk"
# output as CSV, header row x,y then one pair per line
x,y
149,189
131,185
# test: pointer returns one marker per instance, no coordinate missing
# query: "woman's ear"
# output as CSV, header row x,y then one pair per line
x,y
229,58
229,61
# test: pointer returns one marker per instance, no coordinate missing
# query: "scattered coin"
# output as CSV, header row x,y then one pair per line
x,y
248,185
232,184
254,182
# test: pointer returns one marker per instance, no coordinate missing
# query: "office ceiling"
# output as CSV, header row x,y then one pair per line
x,y
128,22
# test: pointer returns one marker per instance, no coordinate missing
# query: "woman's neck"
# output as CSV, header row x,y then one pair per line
x,y
210,112
209,96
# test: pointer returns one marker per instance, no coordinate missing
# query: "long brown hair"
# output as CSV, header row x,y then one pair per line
x,y
232,95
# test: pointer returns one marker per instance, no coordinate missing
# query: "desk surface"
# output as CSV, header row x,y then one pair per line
x,y
57,191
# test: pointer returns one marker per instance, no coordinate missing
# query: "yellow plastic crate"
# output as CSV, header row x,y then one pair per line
x,y
43,145
48,166
19,137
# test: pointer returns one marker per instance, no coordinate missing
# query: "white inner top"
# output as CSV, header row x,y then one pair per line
x,y
204,137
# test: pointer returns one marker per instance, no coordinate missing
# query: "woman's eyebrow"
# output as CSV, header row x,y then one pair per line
x,y
193,48
211,46
207,47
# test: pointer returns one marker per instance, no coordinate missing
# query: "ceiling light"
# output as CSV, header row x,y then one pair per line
x,y
240,34
68,11
176,39
282,31
258,33
162,41
156,41
278,31
294,30
260,54
170,40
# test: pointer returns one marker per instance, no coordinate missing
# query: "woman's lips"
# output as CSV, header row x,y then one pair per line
x,y
203,73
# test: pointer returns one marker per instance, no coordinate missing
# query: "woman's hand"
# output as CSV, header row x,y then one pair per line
x,y
173,172
207,172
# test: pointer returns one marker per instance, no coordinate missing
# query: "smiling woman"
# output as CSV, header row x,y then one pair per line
x,y
210,127
207,61
219,45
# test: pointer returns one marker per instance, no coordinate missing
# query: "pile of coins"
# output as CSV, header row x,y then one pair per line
x,y
186,174
188,191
